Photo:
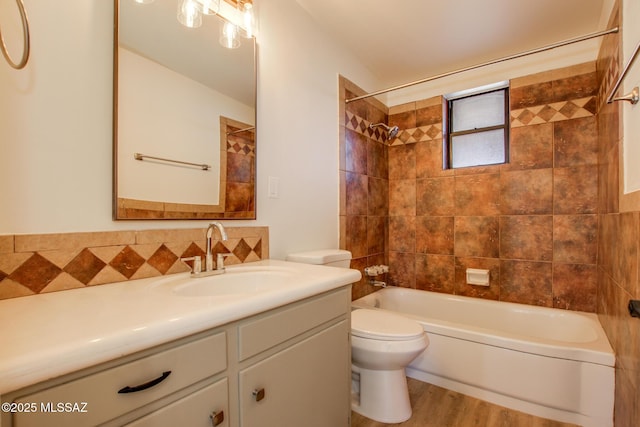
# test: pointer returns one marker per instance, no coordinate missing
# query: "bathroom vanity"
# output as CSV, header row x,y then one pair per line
x,y
272,356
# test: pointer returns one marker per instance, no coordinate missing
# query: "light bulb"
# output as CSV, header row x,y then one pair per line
x,y
229,36
209,7
189,13
144,1
248,20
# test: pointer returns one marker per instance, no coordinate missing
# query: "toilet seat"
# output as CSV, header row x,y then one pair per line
x,y
382,325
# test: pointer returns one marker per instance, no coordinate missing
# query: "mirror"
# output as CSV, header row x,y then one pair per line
x,y
183,118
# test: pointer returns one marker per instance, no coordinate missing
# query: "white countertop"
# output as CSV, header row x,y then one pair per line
x,y
48,335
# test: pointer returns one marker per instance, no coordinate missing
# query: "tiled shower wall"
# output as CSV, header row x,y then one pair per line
x,y
38,263
619,242
364,183
532,222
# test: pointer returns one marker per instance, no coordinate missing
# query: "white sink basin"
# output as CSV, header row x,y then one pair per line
x,y
235,281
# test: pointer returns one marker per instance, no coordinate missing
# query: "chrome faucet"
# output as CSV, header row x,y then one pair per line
x,y
209,256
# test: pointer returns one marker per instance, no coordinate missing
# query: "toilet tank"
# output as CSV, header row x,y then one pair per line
x,y
332,257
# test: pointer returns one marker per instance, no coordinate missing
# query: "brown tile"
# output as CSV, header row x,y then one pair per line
x,y
240,168
575,142
575,190
574,287
239,197
526,237
404,120
434,235
378,200
127,262
357,194
477,195
360,288
526,192
526,282
531,147
429,160
476,236
402,234
35,273
575,87
162,259
435,273
356,152
402,269
429,115
402,162
531,95
575,239
356,238
85,266
435,196
487,292
377,232
402,197
377,160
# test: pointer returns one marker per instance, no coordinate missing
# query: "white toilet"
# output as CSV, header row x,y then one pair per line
x,y
382,345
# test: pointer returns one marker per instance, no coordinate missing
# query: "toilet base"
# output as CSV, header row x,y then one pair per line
x,y
384,395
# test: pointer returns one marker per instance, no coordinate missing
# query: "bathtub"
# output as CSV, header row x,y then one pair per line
x,y
551,363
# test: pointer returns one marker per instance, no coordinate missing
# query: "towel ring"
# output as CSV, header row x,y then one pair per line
x,y
25,27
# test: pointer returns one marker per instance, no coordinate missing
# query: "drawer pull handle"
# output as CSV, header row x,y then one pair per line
x,y
145,386
217,418
258,394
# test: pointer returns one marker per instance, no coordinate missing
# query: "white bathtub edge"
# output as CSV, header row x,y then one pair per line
x,y
516,404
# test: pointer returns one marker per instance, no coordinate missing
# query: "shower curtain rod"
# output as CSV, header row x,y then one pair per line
x,y
484,64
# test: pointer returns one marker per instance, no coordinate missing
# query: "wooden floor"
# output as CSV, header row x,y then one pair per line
x,y
438,407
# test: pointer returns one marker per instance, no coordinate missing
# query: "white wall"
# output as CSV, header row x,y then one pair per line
x,y
55,125
630,113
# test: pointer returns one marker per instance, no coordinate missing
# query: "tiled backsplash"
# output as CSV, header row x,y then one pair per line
x,y
36,263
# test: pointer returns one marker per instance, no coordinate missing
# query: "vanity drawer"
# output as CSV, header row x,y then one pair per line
x,y
113,392
195,410
261,334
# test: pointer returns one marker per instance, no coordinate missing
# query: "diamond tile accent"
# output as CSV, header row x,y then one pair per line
x,y
112,257
127,262
36,273
162,259
554,112
242,250
85,266
405,136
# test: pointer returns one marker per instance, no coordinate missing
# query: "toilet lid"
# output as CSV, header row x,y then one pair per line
x,y
382,325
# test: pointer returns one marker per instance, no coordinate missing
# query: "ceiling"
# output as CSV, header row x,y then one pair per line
x,y
406,40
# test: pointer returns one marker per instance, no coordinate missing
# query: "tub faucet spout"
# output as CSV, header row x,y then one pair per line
x,y
223,236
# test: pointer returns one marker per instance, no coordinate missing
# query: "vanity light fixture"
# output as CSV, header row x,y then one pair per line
x,y
144,1
229,35
189,13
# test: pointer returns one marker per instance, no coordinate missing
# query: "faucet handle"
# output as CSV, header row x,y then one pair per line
x,y
197,263
220,261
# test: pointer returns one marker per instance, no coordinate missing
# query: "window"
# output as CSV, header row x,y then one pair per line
x,y
477,127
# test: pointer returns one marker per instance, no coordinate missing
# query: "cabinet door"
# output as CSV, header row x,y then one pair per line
x,y
204,408
307,384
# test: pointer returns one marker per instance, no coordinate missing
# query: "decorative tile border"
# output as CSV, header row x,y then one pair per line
x,y
405,136
554,112
33,264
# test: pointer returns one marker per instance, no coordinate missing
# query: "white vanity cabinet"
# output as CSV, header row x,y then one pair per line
x,y
286,367
308,382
